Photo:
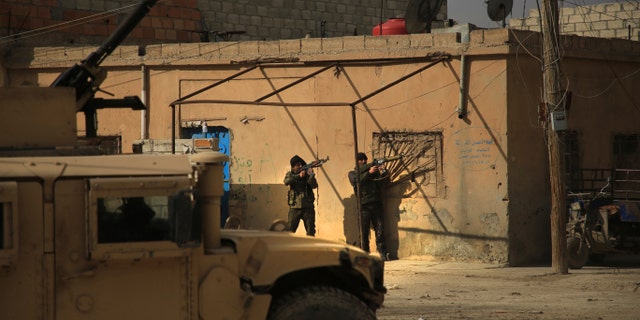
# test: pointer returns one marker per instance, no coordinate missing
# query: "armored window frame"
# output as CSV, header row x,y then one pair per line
x,y
8,222
115,188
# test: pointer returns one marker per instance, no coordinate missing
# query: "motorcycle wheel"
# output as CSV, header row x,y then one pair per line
x,y
578,252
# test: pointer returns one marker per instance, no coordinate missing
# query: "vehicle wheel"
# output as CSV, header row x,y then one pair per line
x,y
233,222
596,257
319,303
279,225
578,252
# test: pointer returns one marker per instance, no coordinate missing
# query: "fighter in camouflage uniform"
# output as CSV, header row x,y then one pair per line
x,y
301,197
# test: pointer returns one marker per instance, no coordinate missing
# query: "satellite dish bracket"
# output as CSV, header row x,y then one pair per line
x,y
498,10
420,14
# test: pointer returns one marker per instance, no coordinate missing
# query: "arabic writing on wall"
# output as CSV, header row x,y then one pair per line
x,y
474,153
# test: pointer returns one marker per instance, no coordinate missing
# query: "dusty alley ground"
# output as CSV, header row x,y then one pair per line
x,y
426,289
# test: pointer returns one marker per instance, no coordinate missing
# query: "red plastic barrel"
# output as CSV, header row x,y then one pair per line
x,y
389,27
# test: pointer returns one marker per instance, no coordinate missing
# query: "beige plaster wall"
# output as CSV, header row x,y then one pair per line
x,y
458,221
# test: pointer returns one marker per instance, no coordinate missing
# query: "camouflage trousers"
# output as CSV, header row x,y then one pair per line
x,y
373,217
308,217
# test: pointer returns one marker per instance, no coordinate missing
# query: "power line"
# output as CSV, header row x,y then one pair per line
x,y
64,25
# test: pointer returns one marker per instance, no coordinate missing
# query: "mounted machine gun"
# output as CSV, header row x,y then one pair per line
x,y
86,76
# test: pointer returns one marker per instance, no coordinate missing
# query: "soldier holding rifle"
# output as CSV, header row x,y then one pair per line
x,y
301,180
371,179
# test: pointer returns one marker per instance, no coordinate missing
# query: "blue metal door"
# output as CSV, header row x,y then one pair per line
x,y
224,141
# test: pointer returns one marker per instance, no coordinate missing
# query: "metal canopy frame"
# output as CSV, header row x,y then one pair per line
x,y
326,65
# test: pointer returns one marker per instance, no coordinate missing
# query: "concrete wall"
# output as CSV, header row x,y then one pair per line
x,y
486,198
290,19
608,20
90,21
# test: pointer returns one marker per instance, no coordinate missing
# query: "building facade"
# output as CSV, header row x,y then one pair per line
x,y
473,183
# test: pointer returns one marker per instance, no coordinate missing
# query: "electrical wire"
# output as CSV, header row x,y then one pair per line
x,y
609,86
63,25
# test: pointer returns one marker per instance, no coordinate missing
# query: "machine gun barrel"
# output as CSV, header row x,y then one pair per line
x,y
86,76
121,33
314,164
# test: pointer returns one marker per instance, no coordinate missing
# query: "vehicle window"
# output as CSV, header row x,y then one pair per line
x,y
131,219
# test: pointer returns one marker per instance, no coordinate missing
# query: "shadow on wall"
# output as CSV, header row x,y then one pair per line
x,y
350,221
391,218
392,201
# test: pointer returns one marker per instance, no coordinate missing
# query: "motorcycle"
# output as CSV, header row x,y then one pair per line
x,y
600,224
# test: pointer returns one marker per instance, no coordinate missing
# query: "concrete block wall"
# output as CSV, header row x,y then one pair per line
x,y
619,20
91,21
291,19
481,41
59,22
351,47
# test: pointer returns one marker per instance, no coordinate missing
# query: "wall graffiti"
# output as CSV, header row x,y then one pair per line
x,y
473,150
241,170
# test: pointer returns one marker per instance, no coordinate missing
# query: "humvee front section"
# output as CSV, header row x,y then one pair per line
x,y
90,236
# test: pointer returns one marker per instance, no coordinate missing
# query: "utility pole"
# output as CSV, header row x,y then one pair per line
x,y
554,105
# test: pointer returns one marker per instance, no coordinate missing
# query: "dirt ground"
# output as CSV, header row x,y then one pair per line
x,y
423,289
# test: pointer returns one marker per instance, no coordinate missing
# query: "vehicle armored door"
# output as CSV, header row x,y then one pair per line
x,y
114,254
25,264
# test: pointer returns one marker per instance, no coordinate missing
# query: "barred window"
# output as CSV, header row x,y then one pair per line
x,y
625,150
419,169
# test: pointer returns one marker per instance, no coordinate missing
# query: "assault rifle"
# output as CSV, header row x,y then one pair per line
x,y
381,161
314,164
86,76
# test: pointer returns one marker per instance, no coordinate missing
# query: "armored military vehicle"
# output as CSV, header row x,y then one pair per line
x,y
89,235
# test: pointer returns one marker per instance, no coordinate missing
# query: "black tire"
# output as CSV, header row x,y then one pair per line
x,y
596,257
578,252
279,225
319,303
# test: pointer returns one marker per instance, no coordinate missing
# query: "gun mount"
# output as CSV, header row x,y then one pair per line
x,y
86,76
